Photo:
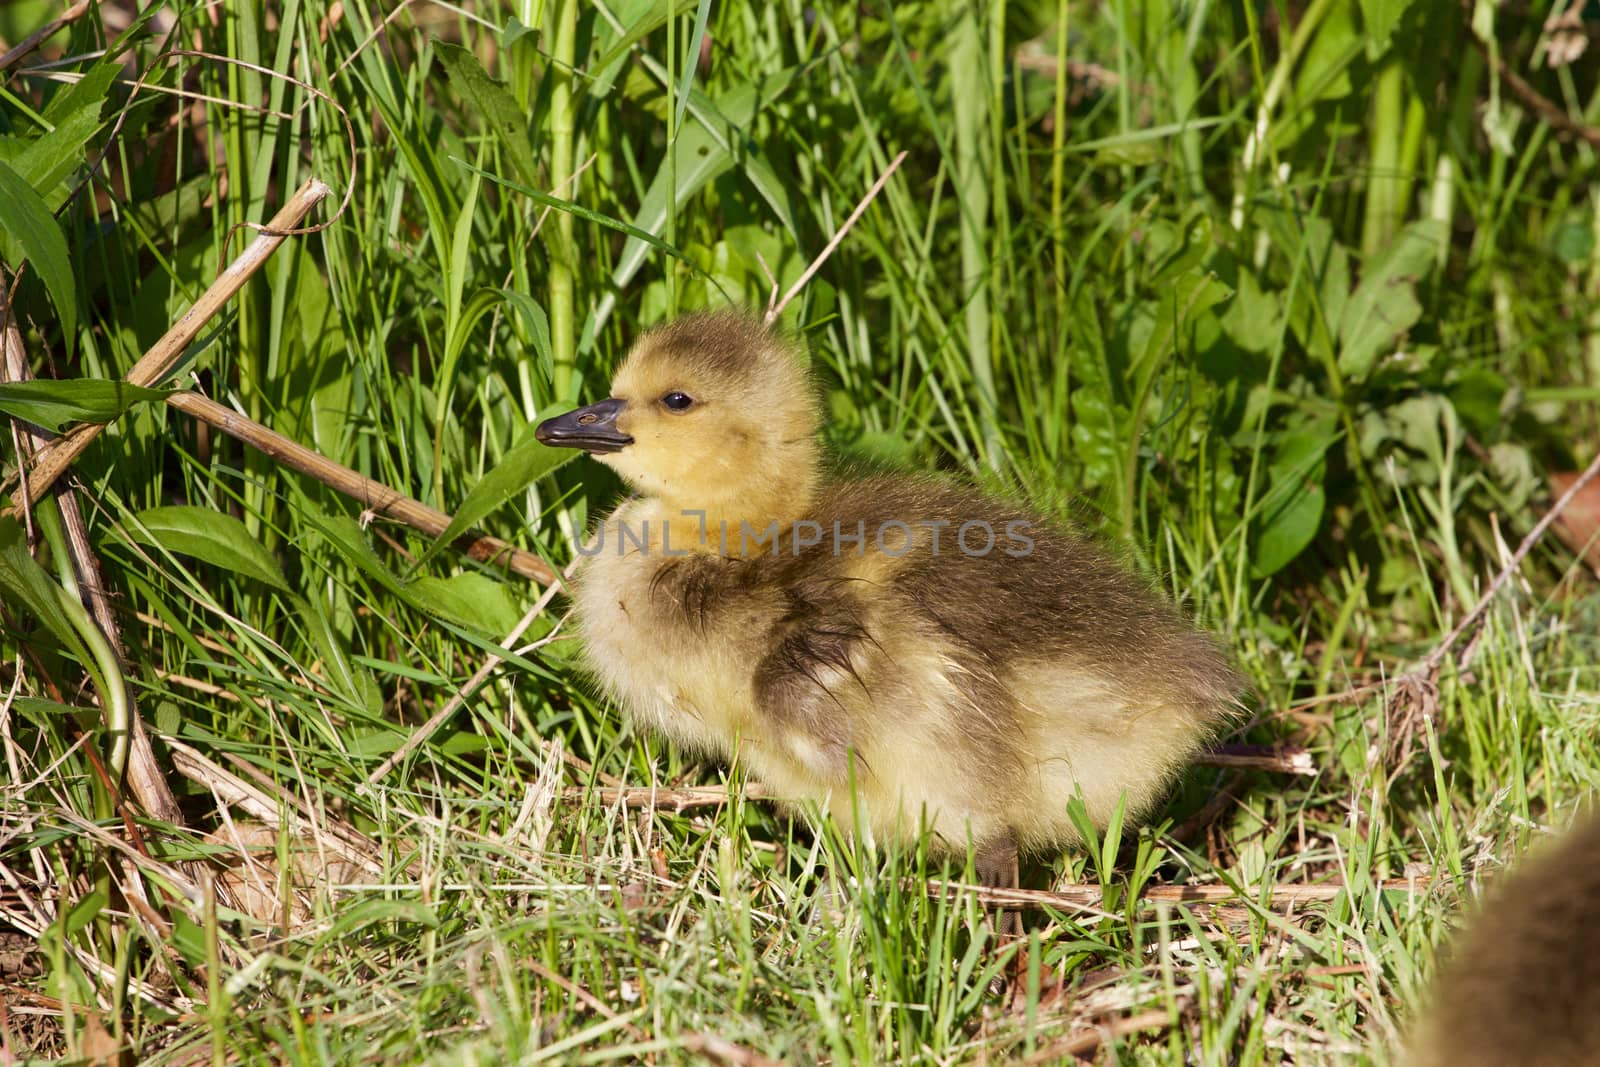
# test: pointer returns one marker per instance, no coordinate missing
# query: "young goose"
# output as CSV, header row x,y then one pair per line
x,y
1522,983
903,651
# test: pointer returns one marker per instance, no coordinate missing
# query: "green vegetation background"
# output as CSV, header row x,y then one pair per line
x,y
1295,301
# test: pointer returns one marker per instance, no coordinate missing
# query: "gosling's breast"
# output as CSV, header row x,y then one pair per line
x,y
684,670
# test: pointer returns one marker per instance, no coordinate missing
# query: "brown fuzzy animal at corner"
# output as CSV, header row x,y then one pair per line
x,y
1521,985
901,650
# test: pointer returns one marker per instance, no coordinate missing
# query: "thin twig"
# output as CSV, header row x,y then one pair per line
x,y
1434,659
1281,759
427,729
1082,1044
40,36
794,290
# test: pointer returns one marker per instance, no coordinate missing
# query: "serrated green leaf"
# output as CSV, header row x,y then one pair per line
x,y
491,99
74,116
89,91
54,404
28,231
538,324
1384,305
49,158
209,536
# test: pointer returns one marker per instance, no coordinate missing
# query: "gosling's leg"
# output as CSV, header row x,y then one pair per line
x,y
995,864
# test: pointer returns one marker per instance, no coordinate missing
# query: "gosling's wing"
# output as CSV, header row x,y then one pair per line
x,y
1018,588
815,673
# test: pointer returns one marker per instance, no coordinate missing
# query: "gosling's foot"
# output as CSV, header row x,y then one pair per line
x,y
995,865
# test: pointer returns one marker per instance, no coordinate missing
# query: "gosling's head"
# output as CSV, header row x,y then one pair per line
x,y
712,411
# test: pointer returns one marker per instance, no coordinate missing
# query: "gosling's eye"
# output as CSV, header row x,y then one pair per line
x,y
678,401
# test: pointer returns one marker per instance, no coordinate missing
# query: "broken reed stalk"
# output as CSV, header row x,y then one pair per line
x,y
143,774
374,496
157,364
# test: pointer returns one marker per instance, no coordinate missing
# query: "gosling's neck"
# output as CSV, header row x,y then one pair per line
x,y
733,521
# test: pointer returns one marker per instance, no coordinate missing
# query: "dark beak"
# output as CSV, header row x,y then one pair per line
x,y
593,429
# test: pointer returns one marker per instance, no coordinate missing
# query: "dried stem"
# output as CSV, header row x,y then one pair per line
x,y
794,290
374,496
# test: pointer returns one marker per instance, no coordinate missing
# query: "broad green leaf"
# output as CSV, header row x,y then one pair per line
x,y
472,600
54,404
451,602
74,116
379,742
1384,304
492,100
28,231
1325,71
209,536
516,31
1184,298
1254,319
89,91
1380,18
1291,506
1477,393
521,467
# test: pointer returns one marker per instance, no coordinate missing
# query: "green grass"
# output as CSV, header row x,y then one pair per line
x,y
1259,294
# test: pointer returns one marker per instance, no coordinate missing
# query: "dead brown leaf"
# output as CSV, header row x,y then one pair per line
x,y
1579,525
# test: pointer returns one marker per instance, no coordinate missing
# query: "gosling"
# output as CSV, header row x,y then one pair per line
x,y
906,653
1522,983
